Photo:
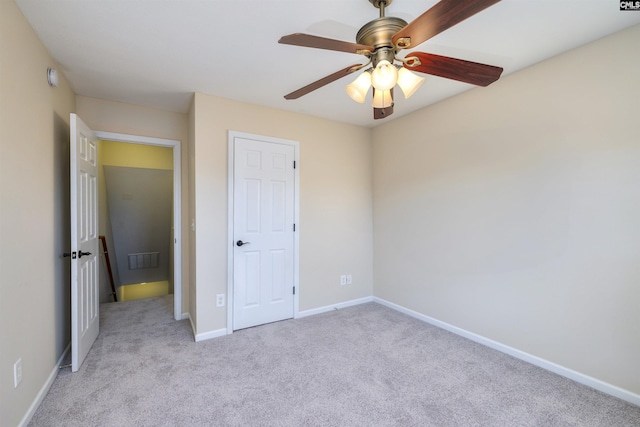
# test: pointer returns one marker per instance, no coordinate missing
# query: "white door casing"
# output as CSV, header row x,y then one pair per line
x,y
175,145
263,241
84,240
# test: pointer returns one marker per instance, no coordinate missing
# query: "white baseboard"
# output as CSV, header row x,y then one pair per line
x,y
211,334
44,390
534,360
337,306
222,332
186,316
205,335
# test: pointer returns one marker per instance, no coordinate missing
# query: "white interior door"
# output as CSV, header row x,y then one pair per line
x,y
84,241
263,230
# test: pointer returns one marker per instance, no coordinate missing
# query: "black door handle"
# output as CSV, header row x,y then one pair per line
x,y
81,254
69,254
240,243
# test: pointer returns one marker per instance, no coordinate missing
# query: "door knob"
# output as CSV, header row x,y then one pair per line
x,y
81,254
240,243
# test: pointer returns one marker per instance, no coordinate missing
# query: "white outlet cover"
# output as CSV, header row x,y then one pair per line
x,y
220,300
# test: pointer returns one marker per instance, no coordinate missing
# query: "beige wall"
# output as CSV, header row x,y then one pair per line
x,y
108,116
512,211
335,202
34,214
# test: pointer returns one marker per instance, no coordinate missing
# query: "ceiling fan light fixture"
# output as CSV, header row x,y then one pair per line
x,y
408,82
380,41
384,76
382,98
358,89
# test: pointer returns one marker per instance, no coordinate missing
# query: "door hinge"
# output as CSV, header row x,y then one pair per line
x,y
294,164
294,290
294,227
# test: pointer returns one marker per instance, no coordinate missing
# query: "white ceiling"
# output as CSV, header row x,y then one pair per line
x,y
157,53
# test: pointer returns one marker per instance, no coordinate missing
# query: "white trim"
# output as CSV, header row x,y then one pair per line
x,y
177,204
518,354
185,316
332,307
296,218
211,334
306,313
44,390
136,139
230,213
205,335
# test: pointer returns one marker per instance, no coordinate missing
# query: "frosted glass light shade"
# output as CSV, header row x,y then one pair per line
x,y
384,76
358,88
382,99
408,82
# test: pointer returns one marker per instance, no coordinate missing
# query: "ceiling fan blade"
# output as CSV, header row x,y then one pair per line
x,y
323,81
441,16
307,40
456,69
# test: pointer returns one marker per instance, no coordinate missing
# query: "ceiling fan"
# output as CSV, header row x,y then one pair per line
x,y
383,38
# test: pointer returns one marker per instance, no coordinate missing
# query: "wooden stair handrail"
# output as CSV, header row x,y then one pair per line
x,y
106,259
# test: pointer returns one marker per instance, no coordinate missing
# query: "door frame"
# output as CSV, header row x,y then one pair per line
x,y
232,135
177,204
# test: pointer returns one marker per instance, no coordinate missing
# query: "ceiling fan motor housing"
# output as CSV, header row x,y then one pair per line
x,y
378,33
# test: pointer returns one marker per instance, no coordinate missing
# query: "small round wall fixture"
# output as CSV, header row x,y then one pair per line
x,y
52,77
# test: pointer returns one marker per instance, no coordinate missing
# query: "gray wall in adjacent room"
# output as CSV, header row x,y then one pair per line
x,y
140,203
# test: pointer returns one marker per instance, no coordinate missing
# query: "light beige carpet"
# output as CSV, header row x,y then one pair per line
x,y
360,366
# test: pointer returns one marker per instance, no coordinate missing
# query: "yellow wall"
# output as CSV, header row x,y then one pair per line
x,y
135,155
34,214
512,211
335,202
142,290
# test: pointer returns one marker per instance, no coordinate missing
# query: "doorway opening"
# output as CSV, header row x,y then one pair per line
x,y
149,180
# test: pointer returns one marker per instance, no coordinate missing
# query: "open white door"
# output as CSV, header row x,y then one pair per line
x,y
84,241
263,229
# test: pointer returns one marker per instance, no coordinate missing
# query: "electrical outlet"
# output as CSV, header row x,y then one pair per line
x,y
220,300
349,279
343,279
17,373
